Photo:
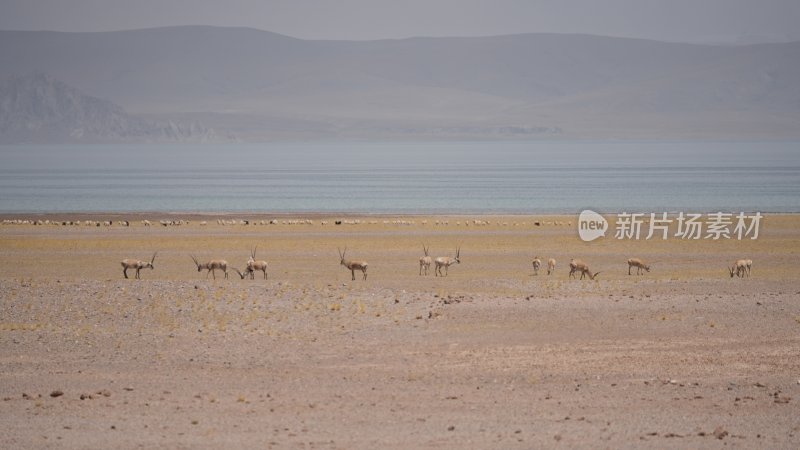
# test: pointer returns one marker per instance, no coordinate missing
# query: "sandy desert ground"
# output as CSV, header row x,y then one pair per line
x,y
491,356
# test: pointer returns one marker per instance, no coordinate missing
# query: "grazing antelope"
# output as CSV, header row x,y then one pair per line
x,y
239,272
573,266
212,266
639,264
136,264
739,268
253,265
425,261
446,262
576,265
352,265
551,266
537,263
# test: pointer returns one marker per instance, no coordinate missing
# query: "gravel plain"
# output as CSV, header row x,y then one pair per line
x,y
491,356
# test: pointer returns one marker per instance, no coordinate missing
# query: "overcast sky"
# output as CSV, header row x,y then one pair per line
x,y
671,20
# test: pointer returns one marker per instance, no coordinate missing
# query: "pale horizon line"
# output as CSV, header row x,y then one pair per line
x,y
718,42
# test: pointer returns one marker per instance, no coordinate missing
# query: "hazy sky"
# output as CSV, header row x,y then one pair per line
x,y
673,20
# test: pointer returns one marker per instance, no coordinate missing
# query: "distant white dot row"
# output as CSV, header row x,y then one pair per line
x,y
242,222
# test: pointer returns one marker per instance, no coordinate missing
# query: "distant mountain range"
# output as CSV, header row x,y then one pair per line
x,y
259,85
38,108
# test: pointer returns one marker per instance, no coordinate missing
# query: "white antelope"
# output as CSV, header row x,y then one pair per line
x,y
253,265
425,261
639,264
739,268
212,266
576,265
537,263
551,266
446,262
136,264
352,265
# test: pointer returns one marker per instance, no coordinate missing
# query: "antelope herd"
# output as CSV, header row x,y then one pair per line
x,y
537,263
741,268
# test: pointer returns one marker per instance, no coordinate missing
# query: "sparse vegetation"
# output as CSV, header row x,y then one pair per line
x,y
492,333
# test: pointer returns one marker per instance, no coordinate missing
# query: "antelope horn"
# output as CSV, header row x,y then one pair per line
x,y
153,258
195,260
254,252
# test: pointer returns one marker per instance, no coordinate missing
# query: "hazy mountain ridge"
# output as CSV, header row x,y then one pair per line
x,y
262,85
39,108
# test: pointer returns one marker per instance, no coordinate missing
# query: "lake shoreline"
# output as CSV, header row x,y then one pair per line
x,y
498,178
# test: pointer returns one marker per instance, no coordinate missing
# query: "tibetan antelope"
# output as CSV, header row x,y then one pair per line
x,y
749,266
537,263
239,272
639,264
446,262
739,268
136,264
551,266
352,265
576,265
425,261
212,266
253,265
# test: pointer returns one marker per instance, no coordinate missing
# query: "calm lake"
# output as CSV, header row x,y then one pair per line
x,y
413,177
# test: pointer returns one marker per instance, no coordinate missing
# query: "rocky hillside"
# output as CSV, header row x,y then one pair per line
x,y
39,108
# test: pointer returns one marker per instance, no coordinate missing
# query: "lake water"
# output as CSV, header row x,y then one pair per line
x,y
415,177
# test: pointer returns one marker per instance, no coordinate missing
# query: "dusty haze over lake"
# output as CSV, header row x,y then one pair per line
x,y
202,83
